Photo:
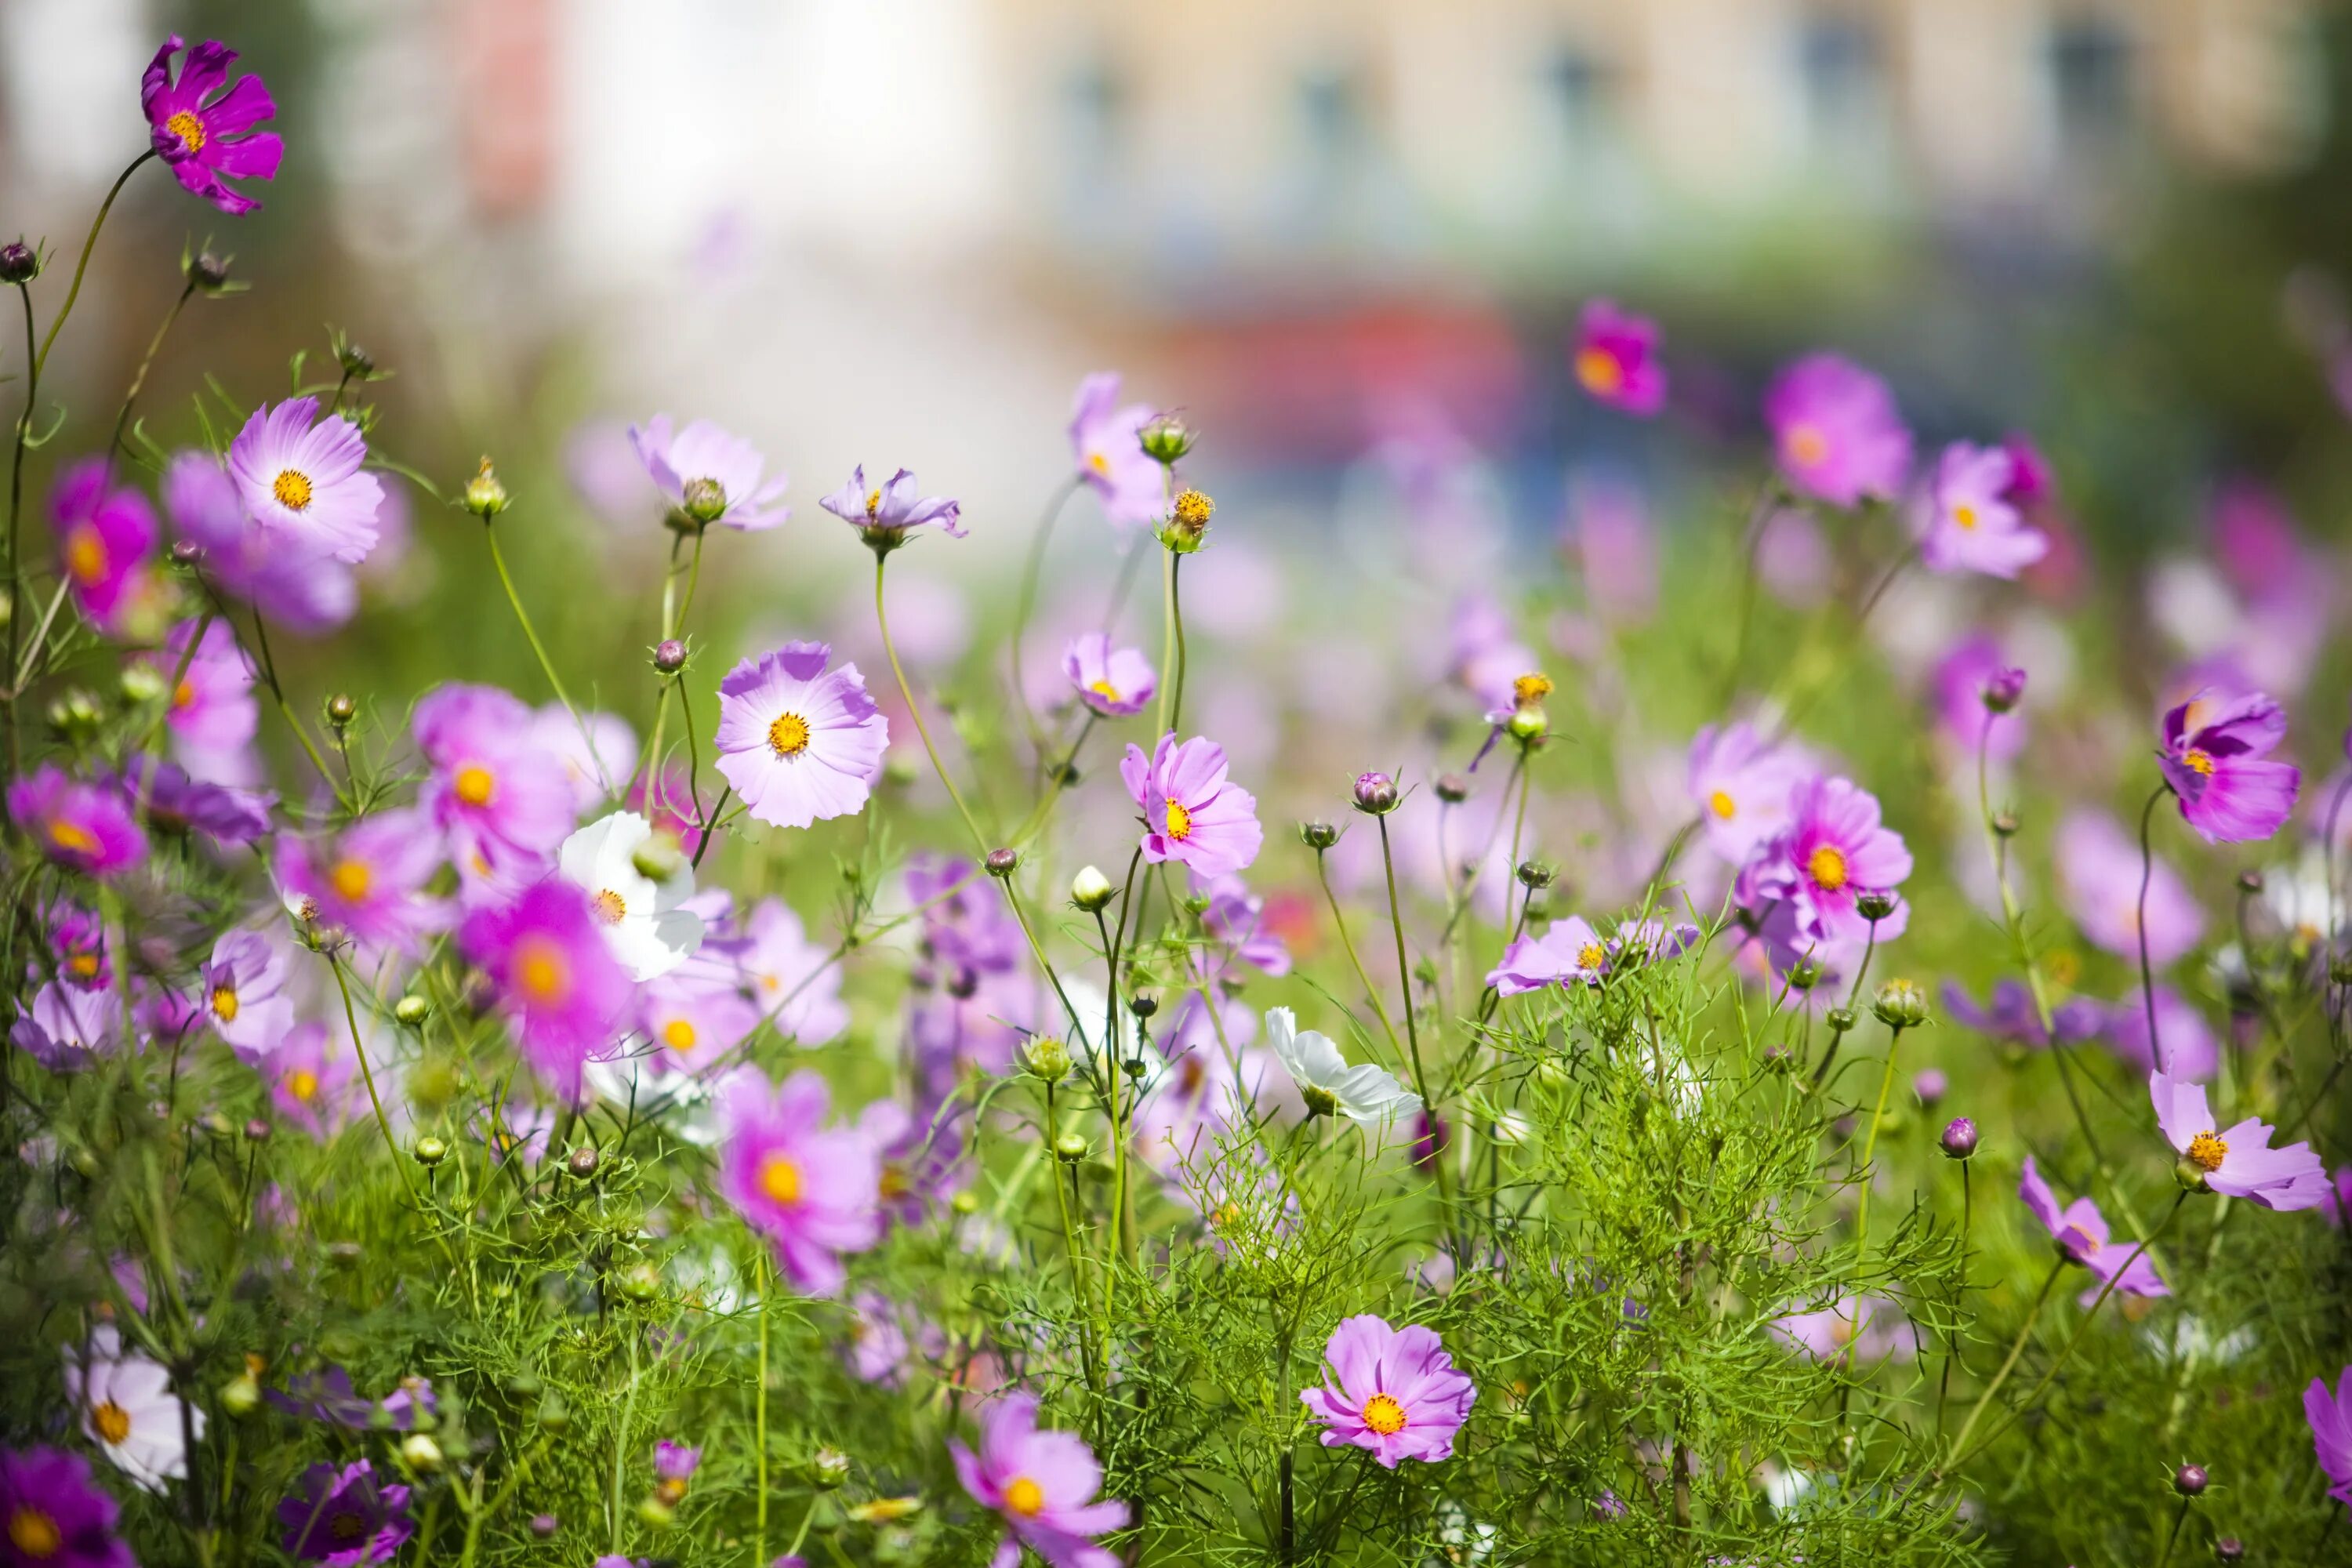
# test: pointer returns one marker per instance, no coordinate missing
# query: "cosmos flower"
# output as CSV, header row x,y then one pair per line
x,y
2215,758
129,1411
1834,849
2099,873
1105,444
106,538
2081,1232
2238,1162
492,788
1740,784
241,991
177,804
1236,921
674,1466
1961,680
641,919
1191,812
2008,1015
207,143
2331,1431
1965,521
2189,1049
1394,1393
1837,431
799,743
314,1084
298,585
344,1518
1363,1094
1869,1326
327,1397
793,981
598,751
303,481
211,712
80,826
68,1028
1043,1484
877,1342
79,939
565,992
812,1190
1570,952
368,881
693,1021
709,475
52,1515
889,511
1113,682
1615,357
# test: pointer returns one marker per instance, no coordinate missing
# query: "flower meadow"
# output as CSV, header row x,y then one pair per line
x,y
1805,1048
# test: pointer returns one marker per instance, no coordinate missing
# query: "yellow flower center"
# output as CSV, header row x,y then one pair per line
x,y
789,735
1026,1496
610,907
678,1035
292,489
73,838
1179,822
188,128
781,1179
895,1183
1598,369
350,880
1383,1415
112,1421
85,553
1592,955
1105,689
1722,805
185,694
33,1534
474,785
2207,1151
1100,462
543,974
1827,867
873,502
224,1004
302,1084
1192,509
1533,687
2196,762
1964,515
1808,447
82,965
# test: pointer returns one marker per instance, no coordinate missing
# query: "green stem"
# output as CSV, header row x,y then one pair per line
x,y
41,360
139,378
1348,943
2147,875
2016,1349
915,711
1176,624
1412,1029
759,1419
546,665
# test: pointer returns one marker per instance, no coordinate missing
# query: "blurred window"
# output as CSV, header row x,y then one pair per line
x,y
1583,97
1842,74
1094,130
2091,83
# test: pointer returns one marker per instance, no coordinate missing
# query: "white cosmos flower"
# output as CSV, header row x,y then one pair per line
x,y
128,1410
1364,1094
640,920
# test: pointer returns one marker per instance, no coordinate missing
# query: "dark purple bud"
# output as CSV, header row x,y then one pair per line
x,y
1376,793
669,655
544,1525
2189,1479
1453,788
257,1129
207,272
1960,1139
187,552
2250,880
17,262
2228,1549
1143,1004
2004,689
1002,862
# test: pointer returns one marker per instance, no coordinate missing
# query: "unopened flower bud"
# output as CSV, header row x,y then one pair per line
x,y
412,1010
669,655
258,1131
1528,724
659,857
582,1162
1143,1004
704,500
1002,863
1534,874
1044,1057
1875,907
1778,1059
657,1513
1318,835
139,683
1453,788
206,272
1930,1084
485,497
1960,1139
241,1394
430,1152
355,360
1840,1019
884,1510
187,552
1805,974
341,710
2004,689
1376,793
2250,880
1070,1148
19,262
964,1201
1900,1005
1165,439
1090,889
544,1526
2228,1549
2188,1480
420,1453
2005,823
74,713
828,1468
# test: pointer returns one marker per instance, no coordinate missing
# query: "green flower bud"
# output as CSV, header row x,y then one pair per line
x,y
485,496
420,1453
412,1010
1090,889
1165,439
430,1152
1043,1056
1900,1005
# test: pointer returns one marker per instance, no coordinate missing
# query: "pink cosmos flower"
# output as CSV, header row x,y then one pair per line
x,y
564,991
297,586
2099,873
1393,1393
368,881
1571,952
177,804
314,1085
2190,1048
1871,1327
1740,785
2081,1232
1191,812
81,825
1236,921
68,1027
1837,431
1615,358
598,751
492,788
1964,521
2240,1162
2331,1431
241,992
1111,457
799,743
1834,849
208,143
106,538
1613,539
303,482
212,714
793,981
892,510
877,1344
54,1516
1042,1483
1113,682
703,468
2214,757
693,1021
812,1190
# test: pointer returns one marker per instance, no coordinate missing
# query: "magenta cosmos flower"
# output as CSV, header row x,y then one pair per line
x,y
2331,1431
1191,812
799,743
1966,521
888,512
493,788
314,1082
2215,757
301,587
344,1518
80,826
1114,682
52,1515
565,992
1837,431
303,481
814,1191
1740,784
1042,1483
207,143
2240,1162
1836,849
1393,1393
1105,440
1616,359
2081,1232
369,881
711,476
106,535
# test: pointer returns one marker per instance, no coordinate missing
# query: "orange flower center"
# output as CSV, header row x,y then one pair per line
x,y
1592,955
73,838
85,553
1100,462
610,907
873,503
1533,687
185,694
474,785
1964,515
112,1421
1179,822
292,489
789,735
188,128
678,1035
1722,805
350,880
302,1084
781,1179
82,965
1026,1496
541,971
224,1004
1598,369
2196,762
1383,1415
2207,1151
1827,867
1807,446
34,1534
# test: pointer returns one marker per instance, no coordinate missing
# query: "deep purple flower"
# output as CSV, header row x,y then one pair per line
x,y
328,1396
566,993
369,881
1616,358
2008,1015
1838,433
1394,1393
2215,751
303,482
492,789
52,1515
2081,1232
344,1518
1191,812
2238,1162
2099,872
800,742
1570,952
1043,1484
208,143
300,586
1834,849
2190,1048
1964,521
2331,1431
712,476
178,804
1113,682
81,825
812,1190
892,510
1740,784
106,538
1109,456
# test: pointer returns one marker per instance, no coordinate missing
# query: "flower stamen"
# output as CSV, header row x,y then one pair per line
x,y
1383,1415
292,489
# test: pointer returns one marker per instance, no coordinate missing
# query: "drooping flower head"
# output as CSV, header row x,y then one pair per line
x,y
1838,433
2330,1416
106,541
1362,1093
2215,757
565,992
708,475
204,135
1740,784
886,513
1044,1484
1113,682
2081,1232
303,480
492,788
129,1411
1109,451
81,825
2238,1162
52,1515
1615,358
643,921
798,741
296,585
1394,1393
344,1518
1834,849
813,1191
1191,812
368,881
1964,521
